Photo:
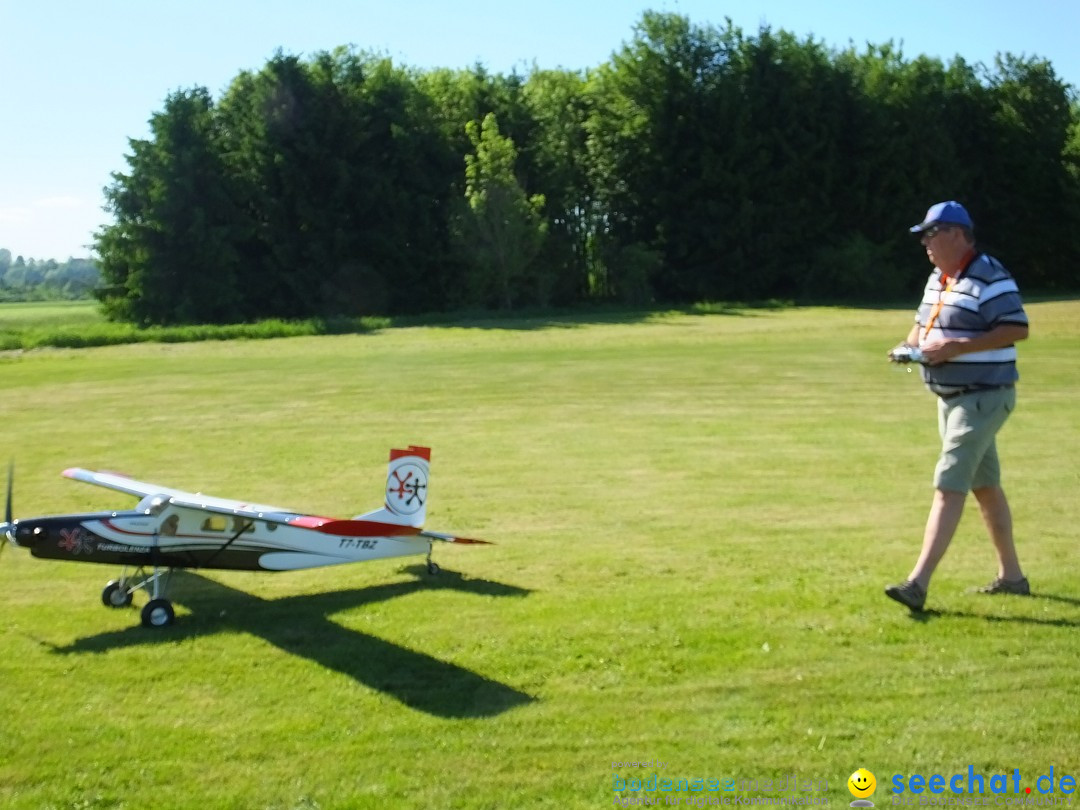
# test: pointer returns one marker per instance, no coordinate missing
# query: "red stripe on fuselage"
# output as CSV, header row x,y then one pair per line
x,y
120,530
310,521
341,528
352,528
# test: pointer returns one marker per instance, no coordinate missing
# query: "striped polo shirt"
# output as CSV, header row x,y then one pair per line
x,y
983,297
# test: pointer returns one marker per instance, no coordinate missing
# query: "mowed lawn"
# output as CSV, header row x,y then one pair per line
x,y
694,518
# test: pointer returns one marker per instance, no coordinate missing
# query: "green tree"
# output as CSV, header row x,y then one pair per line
x,y
672,159
504,228
1068,277
1031,192
347,180
75,278
169,257
559,105
279,138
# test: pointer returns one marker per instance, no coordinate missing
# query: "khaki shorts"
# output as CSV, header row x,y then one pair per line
x,y
968,424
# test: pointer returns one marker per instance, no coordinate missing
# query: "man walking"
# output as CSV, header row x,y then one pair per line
x,y
966,327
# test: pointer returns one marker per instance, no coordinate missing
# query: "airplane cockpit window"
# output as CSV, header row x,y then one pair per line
x,y
241,525
152,504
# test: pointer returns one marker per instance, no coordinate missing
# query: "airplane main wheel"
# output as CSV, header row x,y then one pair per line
x,y
158,613
433,568
116,595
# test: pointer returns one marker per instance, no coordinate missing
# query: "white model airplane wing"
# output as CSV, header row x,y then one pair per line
x,y
195,500
120,482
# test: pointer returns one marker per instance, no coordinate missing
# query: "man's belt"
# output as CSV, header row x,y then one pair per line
x,y
971,389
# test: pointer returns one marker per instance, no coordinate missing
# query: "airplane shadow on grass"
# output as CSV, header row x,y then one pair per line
x,y
299,625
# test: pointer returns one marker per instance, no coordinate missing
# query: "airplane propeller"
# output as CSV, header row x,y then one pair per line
x,y
6,527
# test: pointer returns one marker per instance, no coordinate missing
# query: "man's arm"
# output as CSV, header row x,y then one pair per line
x,y
942,351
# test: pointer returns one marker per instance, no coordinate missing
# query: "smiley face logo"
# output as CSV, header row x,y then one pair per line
x,y
862,784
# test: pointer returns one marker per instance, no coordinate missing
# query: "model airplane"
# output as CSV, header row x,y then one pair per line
x,y
170,529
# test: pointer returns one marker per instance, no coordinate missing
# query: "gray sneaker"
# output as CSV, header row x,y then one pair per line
x,y
909,593
1019,587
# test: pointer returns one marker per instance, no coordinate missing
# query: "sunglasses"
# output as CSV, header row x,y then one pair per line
x,y
933,231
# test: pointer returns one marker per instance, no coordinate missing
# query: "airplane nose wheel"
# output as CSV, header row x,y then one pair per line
x,y
158,613
116,594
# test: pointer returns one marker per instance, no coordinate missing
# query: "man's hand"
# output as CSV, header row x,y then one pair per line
x,y
942,351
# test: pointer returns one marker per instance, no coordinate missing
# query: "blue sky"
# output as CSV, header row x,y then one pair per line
x,y
80,77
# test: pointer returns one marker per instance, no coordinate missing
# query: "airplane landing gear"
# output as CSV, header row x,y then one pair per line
x,y
116,594
432,566
158,612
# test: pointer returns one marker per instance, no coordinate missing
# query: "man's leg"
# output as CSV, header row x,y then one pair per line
x,y
941,525
967,425
998,519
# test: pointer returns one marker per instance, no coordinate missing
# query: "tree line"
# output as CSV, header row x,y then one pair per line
x,y
698,163
23,279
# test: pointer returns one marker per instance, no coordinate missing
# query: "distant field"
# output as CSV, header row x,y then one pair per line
x,y
695,516
37,323
48,313
79,324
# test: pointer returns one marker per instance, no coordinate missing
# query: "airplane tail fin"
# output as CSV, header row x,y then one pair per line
x,y
405,503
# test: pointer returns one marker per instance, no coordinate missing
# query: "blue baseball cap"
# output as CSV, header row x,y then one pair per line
x,y
945,213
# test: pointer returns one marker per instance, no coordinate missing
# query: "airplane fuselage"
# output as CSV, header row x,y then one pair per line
x,y
190,538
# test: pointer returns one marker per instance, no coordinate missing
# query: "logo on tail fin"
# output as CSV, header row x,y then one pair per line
x,y
406,489
407,483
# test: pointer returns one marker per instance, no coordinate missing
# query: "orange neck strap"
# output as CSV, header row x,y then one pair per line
x,y
947,283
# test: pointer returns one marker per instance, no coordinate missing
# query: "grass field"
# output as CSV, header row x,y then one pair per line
x,y
49,314
695,516
80,324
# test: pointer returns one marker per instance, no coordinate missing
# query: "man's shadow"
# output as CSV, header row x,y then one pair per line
x,y
925,616
299,625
